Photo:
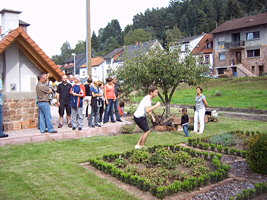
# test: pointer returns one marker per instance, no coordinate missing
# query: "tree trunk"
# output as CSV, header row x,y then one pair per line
x,y
168,109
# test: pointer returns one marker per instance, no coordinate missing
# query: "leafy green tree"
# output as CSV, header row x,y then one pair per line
x,y
173,35
66,51
161,68
57,59
234,10
138,35
95,42
80,47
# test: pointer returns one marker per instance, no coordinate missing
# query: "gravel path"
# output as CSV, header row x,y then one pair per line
x,y
224,192
241,171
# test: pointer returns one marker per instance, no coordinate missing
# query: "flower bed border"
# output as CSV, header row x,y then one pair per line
x,y
189,184
201,144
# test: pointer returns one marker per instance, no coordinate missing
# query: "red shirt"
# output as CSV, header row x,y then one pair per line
x,y
110,91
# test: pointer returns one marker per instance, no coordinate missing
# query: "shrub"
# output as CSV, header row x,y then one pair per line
x,y
128,128
121,162
256,154
139,156
225,139
218,93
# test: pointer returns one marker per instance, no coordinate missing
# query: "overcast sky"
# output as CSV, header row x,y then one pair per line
x,y
55,21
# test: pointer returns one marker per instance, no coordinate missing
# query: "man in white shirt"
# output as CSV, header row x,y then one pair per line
x,y
144,108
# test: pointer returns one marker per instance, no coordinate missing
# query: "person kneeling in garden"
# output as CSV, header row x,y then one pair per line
x,y
140,115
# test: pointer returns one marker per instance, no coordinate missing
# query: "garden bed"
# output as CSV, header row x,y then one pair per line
x,y
164,170
230,143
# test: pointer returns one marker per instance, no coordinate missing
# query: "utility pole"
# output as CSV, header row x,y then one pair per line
x,y
88,39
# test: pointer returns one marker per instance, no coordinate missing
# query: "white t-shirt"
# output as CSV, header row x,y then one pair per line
x,y
141,109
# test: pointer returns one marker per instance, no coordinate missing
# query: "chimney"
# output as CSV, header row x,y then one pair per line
x,y
10,20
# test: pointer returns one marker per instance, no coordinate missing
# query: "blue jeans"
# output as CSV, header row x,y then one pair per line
x,y
185,128
94,117
116,107
109,111
45,117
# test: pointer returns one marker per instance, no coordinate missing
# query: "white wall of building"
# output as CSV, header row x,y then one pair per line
x,y
28,74
187,48
12,71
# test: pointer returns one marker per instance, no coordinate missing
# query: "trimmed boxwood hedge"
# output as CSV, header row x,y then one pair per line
x,y
191,183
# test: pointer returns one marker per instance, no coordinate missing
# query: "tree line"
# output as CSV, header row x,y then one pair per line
x,y
181,18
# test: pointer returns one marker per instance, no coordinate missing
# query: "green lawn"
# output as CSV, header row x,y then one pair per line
x,y
51,170
247,92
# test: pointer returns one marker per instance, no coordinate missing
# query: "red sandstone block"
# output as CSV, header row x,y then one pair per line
x,y
32,123
16,125
25,124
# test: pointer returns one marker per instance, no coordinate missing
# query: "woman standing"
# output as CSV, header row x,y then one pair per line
x,y
110,98
200,110
94,117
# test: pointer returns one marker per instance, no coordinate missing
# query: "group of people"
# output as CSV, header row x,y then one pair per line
x,y
90,100
145,107
93,99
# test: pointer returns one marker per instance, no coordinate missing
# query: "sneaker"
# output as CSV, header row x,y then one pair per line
x,y
92,126
199,133
73,128
101,123
119,120
138,147
79,129
69,125
60,126
113,121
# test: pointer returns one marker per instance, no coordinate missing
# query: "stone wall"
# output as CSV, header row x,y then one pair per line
x,y
19,111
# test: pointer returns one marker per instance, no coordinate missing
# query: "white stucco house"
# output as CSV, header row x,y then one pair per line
x,y
21,60
187,45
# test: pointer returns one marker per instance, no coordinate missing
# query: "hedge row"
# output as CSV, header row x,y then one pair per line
x,y
197,143
260,188
143,184
247,133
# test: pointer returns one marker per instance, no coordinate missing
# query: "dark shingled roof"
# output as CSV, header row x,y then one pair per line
x,y
188,39
113,53
244,22
22,23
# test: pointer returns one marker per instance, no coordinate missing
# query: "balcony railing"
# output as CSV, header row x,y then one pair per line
x,y
234,44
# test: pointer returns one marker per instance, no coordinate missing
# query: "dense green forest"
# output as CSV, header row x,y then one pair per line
x,y
181,18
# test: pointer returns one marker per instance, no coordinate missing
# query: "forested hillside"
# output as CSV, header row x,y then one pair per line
x,y
181,18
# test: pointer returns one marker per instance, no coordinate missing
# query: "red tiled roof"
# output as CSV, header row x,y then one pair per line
x,y
243,22
95,62
117,55
32,51
201,47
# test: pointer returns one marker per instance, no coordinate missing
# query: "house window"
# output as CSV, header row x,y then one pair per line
x,y
209,45
222,56
83,73
221,41
207,59
253,35
253,53
108,61
186,47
